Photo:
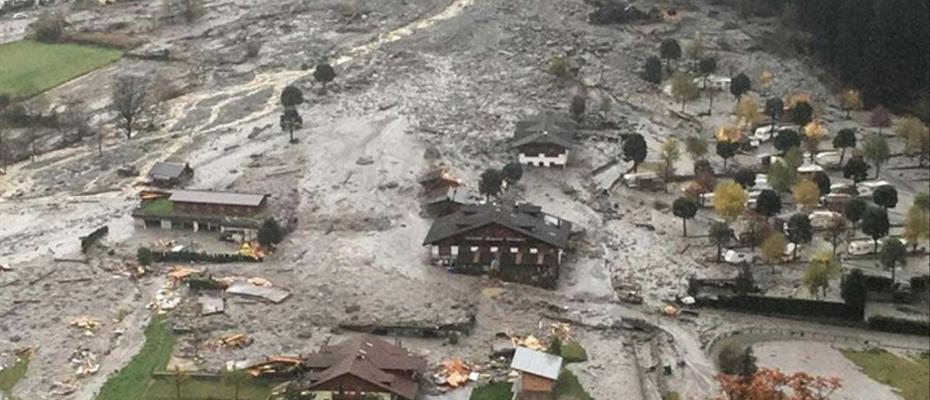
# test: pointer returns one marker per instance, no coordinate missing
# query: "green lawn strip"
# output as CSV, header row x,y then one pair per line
x,y
131,381
13,373
492,391
159,207
200,389
909,375
29,67
568,387
573,352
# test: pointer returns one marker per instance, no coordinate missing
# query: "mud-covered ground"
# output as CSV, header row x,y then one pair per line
x,y
412,75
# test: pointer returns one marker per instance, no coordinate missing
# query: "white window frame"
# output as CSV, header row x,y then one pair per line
x,y
494,249
454,250
534,250
514,250
474,249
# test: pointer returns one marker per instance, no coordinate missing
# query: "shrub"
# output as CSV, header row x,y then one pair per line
x,y
572,351
48,27
144,256
559,67
270,233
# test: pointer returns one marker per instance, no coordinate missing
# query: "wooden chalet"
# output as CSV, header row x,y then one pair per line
x,y
167,174
520,243
362,368
544,140
538,373
239,214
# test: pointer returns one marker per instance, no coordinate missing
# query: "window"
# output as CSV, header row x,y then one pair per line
x,y
435,251
534,250
474,249
455,250
514,249
494,249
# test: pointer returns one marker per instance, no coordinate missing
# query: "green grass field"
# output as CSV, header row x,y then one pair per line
x,y
164,389
12,374
492,391
909,375
29,67
131,381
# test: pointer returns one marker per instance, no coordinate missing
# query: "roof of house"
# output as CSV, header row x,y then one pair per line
x,y
537,363
221,198
167,170
367,358
526,219
454,194
545,128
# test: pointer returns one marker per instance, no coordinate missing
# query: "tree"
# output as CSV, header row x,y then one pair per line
x,y
652,70
290,121
885,196
916,137
703,166
745,177
726,150
270,233
696,47
916,225
747,110
850,100
786,140
876,151
561,69
634,149
128,101
822,267
774,108
813,134
190,10
802,113
768,384
893,253
836,231
707,66
822,180
696,147
806,194
799,230
291,97
768,204
490,183
671,153
737,361
684,89
854,209
853,289
844,139
781,176
48,27
922,200
235,378
512,172
555,346
766,79
739,85
729,200
720,235
880,118
324,74
685,208
670,50
773,249
144,256
856,169
875,224
578,106
179,376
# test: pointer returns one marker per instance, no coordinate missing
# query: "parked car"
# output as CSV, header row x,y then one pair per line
x,y
821,219
739,258
865,189
707,199
828,159
843,187
862,247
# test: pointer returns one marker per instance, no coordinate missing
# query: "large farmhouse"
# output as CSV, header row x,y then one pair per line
x,y
544,140
519,243
239,214
362,368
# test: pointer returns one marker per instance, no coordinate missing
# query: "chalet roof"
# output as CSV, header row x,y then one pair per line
x,y
367,358
167,170
526,219
454,194
545,128
537,363
220,198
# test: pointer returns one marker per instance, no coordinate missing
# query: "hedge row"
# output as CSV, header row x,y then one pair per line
x,y
888,324
785,306
190,256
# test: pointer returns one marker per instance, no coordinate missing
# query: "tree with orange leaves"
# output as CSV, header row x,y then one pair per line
x,y
772,384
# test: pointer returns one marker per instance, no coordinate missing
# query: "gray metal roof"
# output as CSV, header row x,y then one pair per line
x,y
537,363
526,219
221,198
545,128
167,170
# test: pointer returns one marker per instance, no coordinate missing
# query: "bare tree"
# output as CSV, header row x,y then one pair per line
x,y
128,100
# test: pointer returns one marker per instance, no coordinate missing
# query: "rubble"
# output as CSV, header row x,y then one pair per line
x,y
88,324
84,362
247,289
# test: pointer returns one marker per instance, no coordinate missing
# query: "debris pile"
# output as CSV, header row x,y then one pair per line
x,y
267,367
454,373
84,362
235,341
88,324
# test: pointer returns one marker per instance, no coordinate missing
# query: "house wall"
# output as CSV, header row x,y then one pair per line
x,y
216,209
494,242
327,395
347,386
543,156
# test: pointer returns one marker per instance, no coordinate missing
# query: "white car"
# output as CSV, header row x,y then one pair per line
x,y
809,169
707,199
865,189
739,258
861,247
829,159
821,219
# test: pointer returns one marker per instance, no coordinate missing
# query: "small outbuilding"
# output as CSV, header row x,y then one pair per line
x,y
168,174
538,374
